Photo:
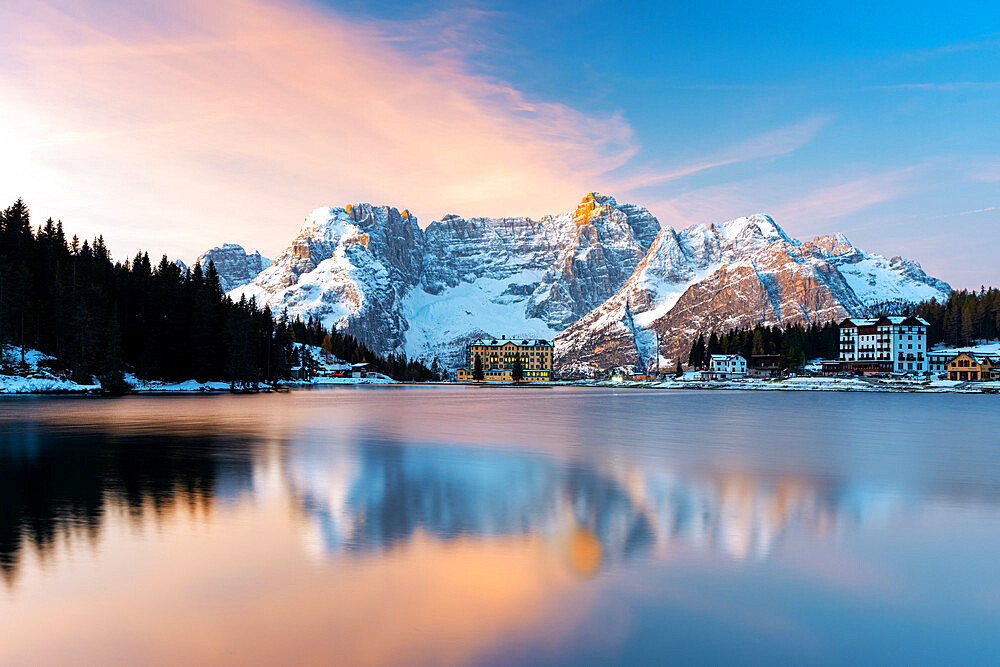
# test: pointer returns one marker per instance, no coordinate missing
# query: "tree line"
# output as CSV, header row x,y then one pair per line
x,y
101,318
963,318
794,343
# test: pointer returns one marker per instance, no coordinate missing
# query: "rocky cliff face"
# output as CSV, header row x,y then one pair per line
x,y
234,265
350,267
735,274
603,280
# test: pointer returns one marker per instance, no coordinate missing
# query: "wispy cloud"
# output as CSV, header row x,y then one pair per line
x,y
842,199
986,172
771,144
946,86
231,119
980,210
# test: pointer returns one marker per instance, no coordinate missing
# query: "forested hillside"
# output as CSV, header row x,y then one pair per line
x,y
103,318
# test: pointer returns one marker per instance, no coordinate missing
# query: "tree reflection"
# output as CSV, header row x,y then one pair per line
x,y
60,483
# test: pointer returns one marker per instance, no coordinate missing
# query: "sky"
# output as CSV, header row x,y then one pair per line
x,y
174,127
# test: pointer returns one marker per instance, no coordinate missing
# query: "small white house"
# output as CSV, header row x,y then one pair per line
x,y
723,366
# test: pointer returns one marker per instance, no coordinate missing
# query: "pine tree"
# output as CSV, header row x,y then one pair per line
x,y
714,347
112,375
678,372
517,372
477,369
967,328
758,342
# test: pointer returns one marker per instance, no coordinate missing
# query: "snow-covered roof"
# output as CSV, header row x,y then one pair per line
x,y
982,349
520,342
726,357
891,319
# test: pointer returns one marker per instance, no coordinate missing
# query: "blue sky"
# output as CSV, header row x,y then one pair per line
x,y
177,126
905,99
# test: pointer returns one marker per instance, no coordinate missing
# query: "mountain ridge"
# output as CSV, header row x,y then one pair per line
x,y
602,280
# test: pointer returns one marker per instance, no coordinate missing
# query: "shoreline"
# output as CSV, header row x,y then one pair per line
x,y
796,384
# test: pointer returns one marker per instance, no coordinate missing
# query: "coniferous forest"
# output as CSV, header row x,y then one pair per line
x,y
963,319
795,343
97,317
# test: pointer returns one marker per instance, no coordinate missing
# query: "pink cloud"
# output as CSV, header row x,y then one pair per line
x,y
178,125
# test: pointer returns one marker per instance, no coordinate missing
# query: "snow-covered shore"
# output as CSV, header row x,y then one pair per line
x,y
38,375
806,383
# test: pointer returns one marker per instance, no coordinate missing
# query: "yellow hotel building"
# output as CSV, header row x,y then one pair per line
x,y
498,354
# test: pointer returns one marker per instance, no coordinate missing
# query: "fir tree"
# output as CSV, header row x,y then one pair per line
x,y
517,372
477,369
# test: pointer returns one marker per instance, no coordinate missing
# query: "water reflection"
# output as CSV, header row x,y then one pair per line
x,y
57,485
365,487
418,525
379,495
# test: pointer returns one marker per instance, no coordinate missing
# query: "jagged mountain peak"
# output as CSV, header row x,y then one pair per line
x,y
592,205
759,226
836,244
234,265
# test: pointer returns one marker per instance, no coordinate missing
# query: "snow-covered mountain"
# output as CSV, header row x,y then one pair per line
x,y
372,271
602,280
734,274
234,265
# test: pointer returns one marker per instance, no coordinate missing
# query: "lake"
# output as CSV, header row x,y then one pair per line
x,y
456,525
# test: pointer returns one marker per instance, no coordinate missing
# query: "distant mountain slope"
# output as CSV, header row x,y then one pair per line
x,y
602,280
234,265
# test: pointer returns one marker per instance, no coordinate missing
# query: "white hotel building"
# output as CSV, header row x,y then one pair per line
x,y
890,343
725,366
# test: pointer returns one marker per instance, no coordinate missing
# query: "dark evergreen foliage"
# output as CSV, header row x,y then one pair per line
x,y
517,372
795,343
477,369
103,318
965,317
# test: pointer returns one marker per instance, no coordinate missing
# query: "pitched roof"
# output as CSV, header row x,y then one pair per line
x,y
520,342
726,357
908,320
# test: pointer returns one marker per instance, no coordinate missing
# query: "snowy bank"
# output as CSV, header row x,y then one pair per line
x,y
806,383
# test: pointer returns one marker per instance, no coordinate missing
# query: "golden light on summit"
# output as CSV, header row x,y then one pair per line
x,y
591,206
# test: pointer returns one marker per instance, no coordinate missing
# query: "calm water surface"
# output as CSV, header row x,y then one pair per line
x,y
436,525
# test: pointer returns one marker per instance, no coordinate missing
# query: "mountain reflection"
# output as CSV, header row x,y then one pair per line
x,y
383,495
57,484
378,495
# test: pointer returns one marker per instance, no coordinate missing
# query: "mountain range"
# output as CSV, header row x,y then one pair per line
x,y
606,281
